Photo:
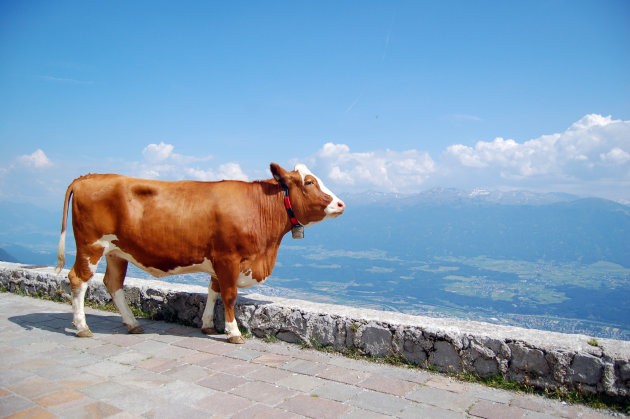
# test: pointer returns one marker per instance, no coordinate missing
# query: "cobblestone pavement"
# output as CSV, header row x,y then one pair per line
x,y
175,371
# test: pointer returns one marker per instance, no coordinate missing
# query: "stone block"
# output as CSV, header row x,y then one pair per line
x,y
623,369
376,340
528,360
486,367
445,357
586,369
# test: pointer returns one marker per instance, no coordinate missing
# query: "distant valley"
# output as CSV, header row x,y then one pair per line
x,y
548,261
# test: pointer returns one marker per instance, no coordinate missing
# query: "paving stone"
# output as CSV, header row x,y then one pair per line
x,y
35,387
491,394
343,375
388,385
107,350
336,391
244,354
419,410
59,397
358,413
413,375
149,347
223,404
123,339
14,404
303,383
96,410
158,364
56,372
33,364
32,413
440,398
259,411
182,392
491,410
268,374
80,380
304,367
546,406
190,373
12,376
199,358
136,402
205,345
379,402
230,366
174,352
222,382
139,378
273,360
447,383
107,369
263,392
175,410
315,407
129,357
104,390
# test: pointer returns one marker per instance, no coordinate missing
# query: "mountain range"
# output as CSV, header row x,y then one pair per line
x,y
439,222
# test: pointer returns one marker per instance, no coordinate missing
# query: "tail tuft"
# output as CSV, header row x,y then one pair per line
x,y
61,253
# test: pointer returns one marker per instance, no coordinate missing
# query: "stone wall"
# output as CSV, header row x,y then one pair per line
x,y
543,359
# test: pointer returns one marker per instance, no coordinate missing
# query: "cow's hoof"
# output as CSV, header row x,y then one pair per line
x,y
236,339
87,333
209,331
137,330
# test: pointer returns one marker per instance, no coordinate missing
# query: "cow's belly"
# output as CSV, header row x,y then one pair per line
x,y
107,242
245,279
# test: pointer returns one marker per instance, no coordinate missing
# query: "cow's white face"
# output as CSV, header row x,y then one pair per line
x,y
312,201
336,206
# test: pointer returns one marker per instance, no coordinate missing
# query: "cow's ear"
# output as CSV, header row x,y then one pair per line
x,y
278,173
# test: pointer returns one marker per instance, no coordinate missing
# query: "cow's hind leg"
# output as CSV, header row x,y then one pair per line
x,y
207,326
114,278
84,268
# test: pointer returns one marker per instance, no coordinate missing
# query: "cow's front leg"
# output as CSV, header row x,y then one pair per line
x,y
207,319
227,275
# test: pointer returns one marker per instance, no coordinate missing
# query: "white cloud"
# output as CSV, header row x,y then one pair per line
x,y
37,159
592,147
161,162
591,157
225,171
383,169
615,156
155,153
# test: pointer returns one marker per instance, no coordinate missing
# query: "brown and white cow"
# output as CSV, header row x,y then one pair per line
x,y
229,229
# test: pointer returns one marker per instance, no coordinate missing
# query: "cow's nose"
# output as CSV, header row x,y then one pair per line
x,y
341,205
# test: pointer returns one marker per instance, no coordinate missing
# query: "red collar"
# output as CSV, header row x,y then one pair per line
x,y
287,205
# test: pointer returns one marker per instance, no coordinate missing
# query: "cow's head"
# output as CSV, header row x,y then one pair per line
x,y
312,201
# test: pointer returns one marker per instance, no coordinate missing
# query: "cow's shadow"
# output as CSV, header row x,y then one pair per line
x,y
106,323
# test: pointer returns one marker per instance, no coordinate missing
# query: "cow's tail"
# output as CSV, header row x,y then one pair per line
x,y
61,250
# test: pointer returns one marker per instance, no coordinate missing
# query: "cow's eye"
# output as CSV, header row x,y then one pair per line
x,y
308,182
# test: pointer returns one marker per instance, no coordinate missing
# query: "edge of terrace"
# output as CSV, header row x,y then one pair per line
x,y
546,360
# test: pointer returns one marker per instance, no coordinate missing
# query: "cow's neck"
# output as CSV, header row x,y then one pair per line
x,y
273,211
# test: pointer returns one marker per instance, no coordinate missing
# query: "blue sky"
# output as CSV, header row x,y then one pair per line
x,y
372,95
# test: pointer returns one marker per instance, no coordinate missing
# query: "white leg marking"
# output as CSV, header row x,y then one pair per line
x,y
208,312
78,296
231,329
127,316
